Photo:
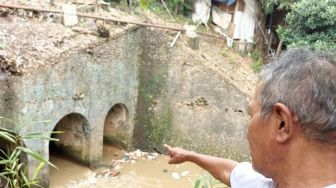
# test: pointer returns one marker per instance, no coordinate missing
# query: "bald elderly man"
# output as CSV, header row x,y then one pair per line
x,y
292,130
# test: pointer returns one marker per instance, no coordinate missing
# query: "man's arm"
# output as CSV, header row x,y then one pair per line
x,y
219,168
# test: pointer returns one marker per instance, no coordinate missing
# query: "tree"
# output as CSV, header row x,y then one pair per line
x,y
269,6
311,23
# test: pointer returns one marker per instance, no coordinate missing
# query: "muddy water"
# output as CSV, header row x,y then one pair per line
x,y
143,173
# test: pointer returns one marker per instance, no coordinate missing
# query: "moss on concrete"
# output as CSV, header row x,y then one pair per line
x,y
154,113
159,127
154,122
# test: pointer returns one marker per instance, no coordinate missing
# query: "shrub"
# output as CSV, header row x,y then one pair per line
x,y
14,170
311,23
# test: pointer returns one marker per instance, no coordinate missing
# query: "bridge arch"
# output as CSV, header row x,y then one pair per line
x,y
74,141
117,127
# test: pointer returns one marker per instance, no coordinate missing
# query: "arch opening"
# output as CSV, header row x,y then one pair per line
x,y
116,128
74,139
71,153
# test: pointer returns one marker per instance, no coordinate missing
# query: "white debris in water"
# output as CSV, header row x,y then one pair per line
x,y
138,153
184,173
150,157
176,176
132,172
117,167
92,180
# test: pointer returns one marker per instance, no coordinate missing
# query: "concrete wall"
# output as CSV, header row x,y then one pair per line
x,y
83,84
184,102
137,89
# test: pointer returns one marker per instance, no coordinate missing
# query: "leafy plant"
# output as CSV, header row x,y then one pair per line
x,y
12,157
207,181
183,7
311,23
257,61
270,5
146,4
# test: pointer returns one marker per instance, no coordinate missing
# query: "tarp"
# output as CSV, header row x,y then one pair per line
x,y
202,11
227,2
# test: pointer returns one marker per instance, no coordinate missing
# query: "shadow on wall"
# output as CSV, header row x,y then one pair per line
x,y
116,128
74,139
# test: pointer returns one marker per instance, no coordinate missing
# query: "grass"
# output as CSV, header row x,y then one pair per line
x,y
257,61
229,55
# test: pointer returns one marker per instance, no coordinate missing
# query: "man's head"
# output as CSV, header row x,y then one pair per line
x,y
295,102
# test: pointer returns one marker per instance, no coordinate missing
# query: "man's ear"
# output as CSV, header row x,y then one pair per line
x,y
284,123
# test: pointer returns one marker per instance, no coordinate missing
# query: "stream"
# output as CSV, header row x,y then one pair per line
x,y
150,172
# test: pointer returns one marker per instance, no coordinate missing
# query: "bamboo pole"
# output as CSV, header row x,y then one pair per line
x,y
106,19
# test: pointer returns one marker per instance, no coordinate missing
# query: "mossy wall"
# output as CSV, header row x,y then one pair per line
x,y
154,113
183,102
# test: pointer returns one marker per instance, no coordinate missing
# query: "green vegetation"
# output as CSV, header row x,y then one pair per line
x,y
12,157
311,23
177,7
160,127
146,4
257,61
229,56
270,6
183,7
156,124
207,181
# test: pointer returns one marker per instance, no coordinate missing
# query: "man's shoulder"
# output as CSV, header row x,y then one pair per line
x,y
244,176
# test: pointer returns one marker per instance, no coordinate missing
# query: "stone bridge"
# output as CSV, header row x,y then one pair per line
x,y
132,90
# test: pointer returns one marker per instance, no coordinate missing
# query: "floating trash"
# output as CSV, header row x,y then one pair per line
x,y
176,175
184,173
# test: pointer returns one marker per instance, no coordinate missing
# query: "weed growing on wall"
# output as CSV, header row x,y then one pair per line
x,y
13,168
160,127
